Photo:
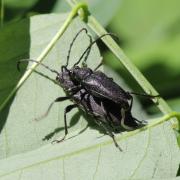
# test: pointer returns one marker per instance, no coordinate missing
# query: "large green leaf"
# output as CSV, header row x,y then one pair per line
x,y
86,154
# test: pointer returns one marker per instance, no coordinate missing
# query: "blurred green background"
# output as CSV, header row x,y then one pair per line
x,y
149,33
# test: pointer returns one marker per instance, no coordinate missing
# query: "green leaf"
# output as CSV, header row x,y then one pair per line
x,y
153,153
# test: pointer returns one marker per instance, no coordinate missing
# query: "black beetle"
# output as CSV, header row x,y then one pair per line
x,y
95,93
106,113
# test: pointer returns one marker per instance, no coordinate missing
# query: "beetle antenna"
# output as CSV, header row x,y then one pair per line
x,y
31,60
70,47
89,47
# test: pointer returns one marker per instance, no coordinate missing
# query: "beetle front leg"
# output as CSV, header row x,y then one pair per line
x,y
59,99
66,110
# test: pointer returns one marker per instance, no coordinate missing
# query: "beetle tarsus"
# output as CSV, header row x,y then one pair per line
x,y
58,141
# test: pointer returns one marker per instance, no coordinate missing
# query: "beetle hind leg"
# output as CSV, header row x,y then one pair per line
x,y
101,124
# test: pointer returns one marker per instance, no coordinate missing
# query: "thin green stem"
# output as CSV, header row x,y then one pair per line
x,y
47,49
155,122
2,13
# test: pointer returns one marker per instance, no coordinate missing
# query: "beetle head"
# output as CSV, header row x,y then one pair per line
x,y
64,80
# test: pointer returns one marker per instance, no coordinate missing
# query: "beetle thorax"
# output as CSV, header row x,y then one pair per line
x,y
81,73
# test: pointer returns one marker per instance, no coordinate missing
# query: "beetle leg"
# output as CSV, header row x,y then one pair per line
x,y
123,120
106,115
105,112
100,123
131,102
66,110
59,99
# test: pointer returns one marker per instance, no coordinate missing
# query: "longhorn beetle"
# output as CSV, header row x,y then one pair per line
x,y
94,92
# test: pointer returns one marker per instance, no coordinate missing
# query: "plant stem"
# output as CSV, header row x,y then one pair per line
x,y
46,50
155,122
